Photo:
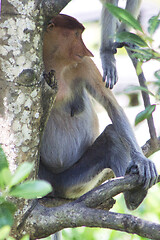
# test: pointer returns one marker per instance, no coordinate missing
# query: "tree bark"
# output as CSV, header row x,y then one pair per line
x,y
44,221
21,92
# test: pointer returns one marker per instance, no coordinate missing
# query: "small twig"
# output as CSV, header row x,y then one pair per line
x,y
145,96
149,148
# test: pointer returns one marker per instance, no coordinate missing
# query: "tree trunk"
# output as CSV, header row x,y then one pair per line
x,y
21,86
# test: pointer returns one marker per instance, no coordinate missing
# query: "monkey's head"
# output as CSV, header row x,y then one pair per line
x,y
63,40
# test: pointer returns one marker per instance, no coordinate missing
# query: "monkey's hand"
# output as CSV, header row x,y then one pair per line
x,y
123,44
148,176
109,67
50,79
146,169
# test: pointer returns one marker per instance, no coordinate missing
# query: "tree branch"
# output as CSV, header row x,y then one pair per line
x,y
76,215
146,99
44,221
149,148
52,7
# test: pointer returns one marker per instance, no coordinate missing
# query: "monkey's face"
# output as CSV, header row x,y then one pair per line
x,y
76,47
66,44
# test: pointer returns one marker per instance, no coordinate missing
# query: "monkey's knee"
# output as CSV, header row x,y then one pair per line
x,y
117,155
111,136
109,129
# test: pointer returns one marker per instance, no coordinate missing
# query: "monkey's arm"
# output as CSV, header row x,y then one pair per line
x,y
146,168
108,48
108,31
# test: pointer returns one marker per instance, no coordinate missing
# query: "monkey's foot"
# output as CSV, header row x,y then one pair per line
x,y
134,198
122,44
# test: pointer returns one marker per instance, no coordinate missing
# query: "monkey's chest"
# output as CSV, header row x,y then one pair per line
x,y
67,137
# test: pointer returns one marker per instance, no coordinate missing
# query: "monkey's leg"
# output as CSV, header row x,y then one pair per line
x,y
121,164
106,152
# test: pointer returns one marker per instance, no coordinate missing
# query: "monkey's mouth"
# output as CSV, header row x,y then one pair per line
x,y
79,56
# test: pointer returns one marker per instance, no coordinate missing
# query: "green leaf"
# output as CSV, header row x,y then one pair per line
x,y
10,206
2,199
139,68
5,174
124,16
154,23
5,177
10,238
156,55
138,56
21,173
3,159
144,54
139,88
6,216
4,232
146,114
31,189
157,74
26,237
131,38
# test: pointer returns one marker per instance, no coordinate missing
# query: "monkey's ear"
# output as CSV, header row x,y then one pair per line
x,y
50,26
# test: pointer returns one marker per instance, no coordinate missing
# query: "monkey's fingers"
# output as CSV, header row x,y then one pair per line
x,y
148,175
132,169
151,175
123,44
110,77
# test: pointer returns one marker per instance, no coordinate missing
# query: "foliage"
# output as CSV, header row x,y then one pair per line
x,y
146,114
12,185
142,46
124,16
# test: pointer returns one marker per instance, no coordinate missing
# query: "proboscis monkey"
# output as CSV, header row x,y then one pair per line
x,y
74,158
109,28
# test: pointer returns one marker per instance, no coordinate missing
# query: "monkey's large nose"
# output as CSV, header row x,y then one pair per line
x,y
87,52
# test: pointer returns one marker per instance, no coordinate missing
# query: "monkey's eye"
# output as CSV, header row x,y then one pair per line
x,y
77,34
50,26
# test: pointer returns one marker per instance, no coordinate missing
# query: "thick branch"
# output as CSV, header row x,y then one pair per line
x,y
109,189
44,221
72,215
53,7
121,222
